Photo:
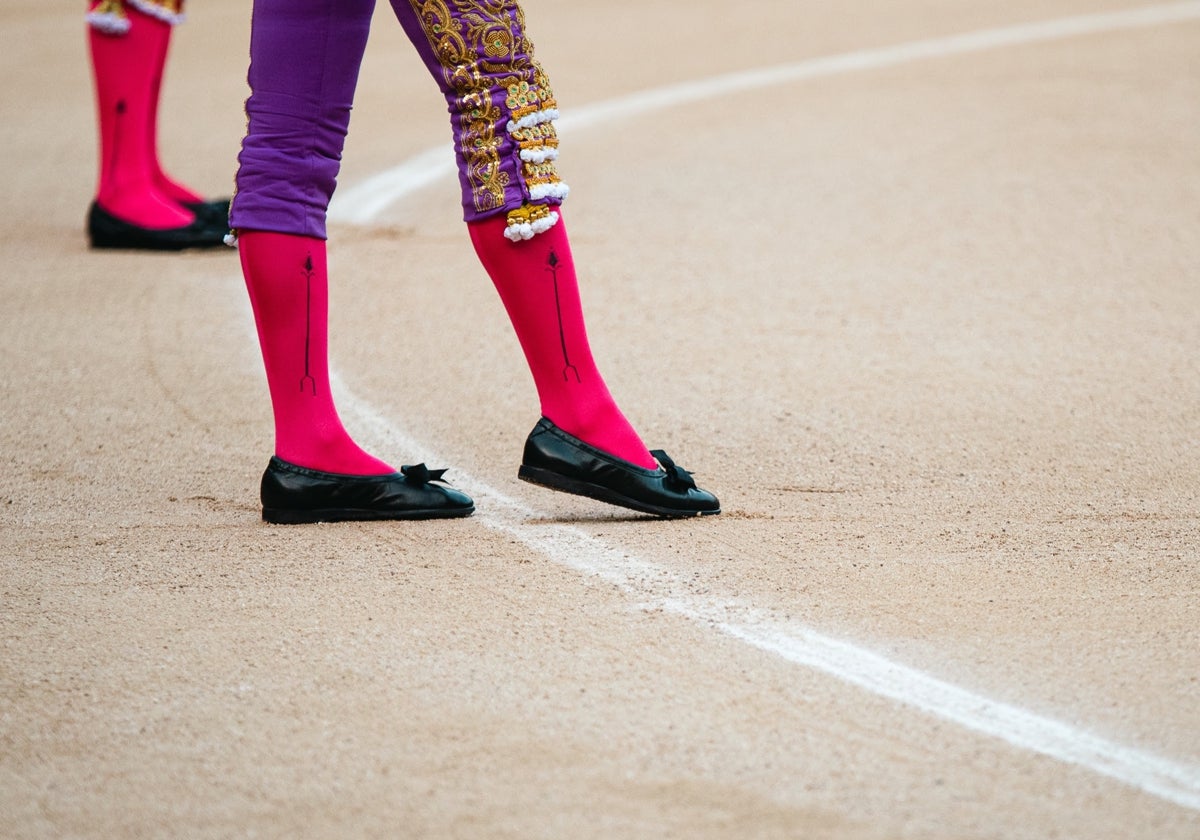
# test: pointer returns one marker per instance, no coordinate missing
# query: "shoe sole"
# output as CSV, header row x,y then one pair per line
x,y
554,481
278,516
102,242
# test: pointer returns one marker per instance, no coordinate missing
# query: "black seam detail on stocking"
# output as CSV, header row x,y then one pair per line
x,y
568,368
308,272
118,130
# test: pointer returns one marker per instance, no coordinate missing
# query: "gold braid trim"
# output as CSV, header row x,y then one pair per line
x,y
487,36
481,27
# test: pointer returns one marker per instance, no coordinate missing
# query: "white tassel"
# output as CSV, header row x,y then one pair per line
x,y
108,23
545,223
527,230
516,233
530,120
230,239
539,155
557,190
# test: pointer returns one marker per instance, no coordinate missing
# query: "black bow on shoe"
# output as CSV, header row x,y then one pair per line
x,y
677,477
421,474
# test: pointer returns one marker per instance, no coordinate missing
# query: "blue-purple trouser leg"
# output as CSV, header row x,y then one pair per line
x,y
304,63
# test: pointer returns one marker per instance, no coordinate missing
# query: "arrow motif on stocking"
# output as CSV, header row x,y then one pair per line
x,y
568,368
307,382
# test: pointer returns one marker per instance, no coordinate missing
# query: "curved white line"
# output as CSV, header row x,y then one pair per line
x,y
362,204
1171,781
656,587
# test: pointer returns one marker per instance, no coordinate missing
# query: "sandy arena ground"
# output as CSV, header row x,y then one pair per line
x,y
927,322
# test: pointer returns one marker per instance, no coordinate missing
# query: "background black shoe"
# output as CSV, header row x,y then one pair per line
x,y
107,231
561,461
293,495
215,212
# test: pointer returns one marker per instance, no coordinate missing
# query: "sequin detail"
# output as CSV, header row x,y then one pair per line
x,y
502,103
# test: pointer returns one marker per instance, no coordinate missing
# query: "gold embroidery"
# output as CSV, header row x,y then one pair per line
x,y
171,7
540,173
537,142
483,51
542,82
521,100
109,7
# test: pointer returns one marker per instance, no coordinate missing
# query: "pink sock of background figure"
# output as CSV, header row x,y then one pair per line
x,y
536,281
289,291
126,68
172,189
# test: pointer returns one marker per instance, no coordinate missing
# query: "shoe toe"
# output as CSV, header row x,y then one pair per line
x,y
703,501
405,495
456,499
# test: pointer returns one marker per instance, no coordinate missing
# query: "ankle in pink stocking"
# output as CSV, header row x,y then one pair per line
x,y
537,284
289,291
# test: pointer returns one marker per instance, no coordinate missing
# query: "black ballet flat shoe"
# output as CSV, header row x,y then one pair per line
x,y
292,495
560,461
107,231
215,212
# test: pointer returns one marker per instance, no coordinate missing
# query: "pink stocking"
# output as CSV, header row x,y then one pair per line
x,y
124,70
536,281
289,291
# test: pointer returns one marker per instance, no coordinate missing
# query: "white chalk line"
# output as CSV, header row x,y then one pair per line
x,y
655,587
364,202
763,629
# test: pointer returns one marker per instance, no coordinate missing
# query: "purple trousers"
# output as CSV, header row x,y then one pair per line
x,y
304,62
